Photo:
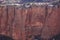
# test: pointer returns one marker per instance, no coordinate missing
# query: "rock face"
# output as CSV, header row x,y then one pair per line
x,y
30,23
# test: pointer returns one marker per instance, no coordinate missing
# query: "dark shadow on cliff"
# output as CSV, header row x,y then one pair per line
x,y
3,37
56,37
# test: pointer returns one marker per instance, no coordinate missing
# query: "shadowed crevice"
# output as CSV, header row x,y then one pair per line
x,y
3,37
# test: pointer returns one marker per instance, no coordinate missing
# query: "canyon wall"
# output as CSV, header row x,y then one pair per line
x,y
25,23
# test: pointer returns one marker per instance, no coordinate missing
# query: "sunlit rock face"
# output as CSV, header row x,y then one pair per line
x,y
30,23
